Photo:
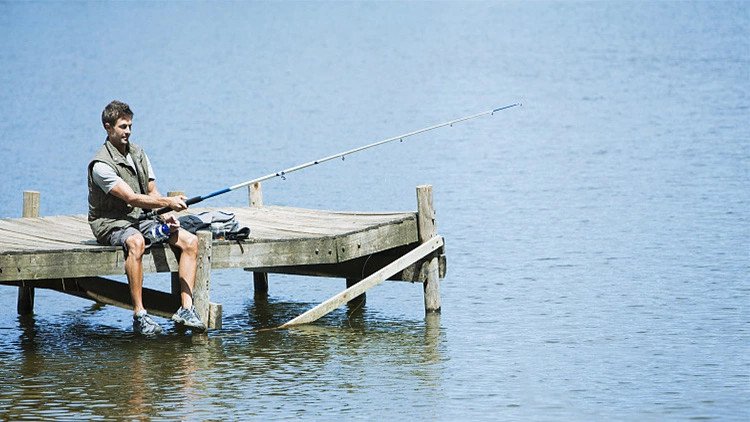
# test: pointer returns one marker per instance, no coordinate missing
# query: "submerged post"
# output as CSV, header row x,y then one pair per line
x,y
203,276
427,230
25,304
260,280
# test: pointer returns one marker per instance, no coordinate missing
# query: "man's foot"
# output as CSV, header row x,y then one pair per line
x,y
143,324
188,318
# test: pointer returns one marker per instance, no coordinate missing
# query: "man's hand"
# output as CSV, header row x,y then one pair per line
x,y
172,222
177,203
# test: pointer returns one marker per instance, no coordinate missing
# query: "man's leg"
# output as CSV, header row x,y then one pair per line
x,y
188,244
136,246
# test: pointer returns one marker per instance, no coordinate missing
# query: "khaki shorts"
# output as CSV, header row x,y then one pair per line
x,y
119,236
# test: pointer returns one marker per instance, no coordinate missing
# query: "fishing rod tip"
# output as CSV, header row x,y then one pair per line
x,y
506,107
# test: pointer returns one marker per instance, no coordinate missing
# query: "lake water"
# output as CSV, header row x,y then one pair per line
x,y
597,238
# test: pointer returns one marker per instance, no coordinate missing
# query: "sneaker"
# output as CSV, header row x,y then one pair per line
x,y
188,318
143,324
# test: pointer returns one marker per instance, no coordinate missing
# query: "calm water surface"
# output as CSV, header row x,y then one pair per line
x,y
597,238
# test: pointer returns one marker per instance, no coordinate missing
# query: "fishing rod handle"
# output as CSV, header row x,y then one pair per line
x,y
154,213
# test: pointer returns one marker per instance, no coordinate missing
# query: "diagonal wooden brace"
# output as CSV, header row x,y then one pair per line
x,y
373,280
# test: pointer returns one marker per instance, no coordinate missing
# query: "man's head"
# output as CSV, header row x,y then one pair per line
x,y
115,110
117,119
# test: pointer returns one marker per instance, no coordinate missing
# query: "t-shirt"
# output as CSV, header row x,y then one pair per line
x,y
106,178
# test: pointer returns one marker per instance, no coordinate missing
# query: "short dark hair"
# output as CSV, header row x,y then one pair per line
x,y
115,110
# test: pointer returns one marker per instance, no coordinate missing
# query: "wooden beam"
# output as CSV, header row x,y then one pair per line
x,y
359,268
31,202
255,195
115,293
201,290
25,303
358,300
260,283
427,230
373,280
260,279
215,311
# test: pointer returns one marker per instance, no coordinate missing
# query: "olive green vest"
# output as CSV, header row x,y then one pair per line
x,y
106,211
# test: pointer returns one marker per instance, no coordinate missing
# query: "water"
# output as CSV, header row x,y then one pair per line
x,y
597,237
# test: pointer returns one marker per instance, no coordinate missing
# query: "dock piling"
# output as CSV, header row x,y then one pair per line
x,y
359,300
427,230
203,276
25,304
260,279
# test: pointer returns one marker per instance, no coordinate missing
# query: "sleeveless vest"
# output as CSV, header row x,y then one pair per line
x,y
106,211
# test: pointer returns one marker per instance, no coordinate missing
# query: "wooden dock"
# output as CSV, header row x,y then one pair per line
x,y
60,253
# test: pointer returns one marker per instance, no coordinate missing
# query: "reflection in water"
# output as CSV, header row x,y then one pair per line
x,y
87,370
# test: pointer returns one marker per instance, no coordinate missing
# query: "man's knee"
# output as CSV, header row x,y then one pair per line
x,y
136,245
190,243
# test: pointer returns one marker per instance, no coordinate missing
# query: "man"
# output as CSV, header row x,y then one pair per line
x,y
121,183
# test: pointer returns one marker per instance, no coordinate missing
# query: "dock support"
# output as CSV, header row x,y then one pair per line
x,y
369,282
203,276
260,279
359,300
25,304
427,230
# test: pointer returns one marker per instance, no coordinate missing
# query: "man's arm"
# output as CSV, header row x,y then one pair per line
x,y
152,191
153,200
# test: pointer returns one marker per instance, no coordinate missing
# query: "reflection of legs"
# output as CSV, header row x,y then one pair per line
x,y
188,244
134,269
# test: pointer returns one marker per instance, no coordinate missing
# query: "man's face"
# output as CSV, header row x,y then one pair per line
x,y
119,134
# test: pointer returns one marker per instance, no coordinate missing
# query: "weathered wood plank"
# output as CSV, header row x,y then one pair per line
x,y
364,266
115,293
374,239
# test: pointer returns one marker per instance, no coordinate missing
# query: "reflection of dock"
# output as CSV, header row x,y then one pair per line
x,y
59,253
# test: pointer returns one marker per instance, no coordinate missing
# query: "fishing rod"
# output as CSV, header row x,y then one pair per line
x,y
283,173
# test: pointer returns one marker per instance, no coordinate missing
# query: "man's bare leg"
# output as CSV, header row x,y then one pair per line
x,y
188,244
134,269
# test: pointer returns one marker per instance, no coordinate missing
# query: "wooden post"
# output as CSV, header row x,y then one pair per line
x,y
25,304
203,276
427,230
255,195
359,300
215,311
175,274
31,200
260,280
